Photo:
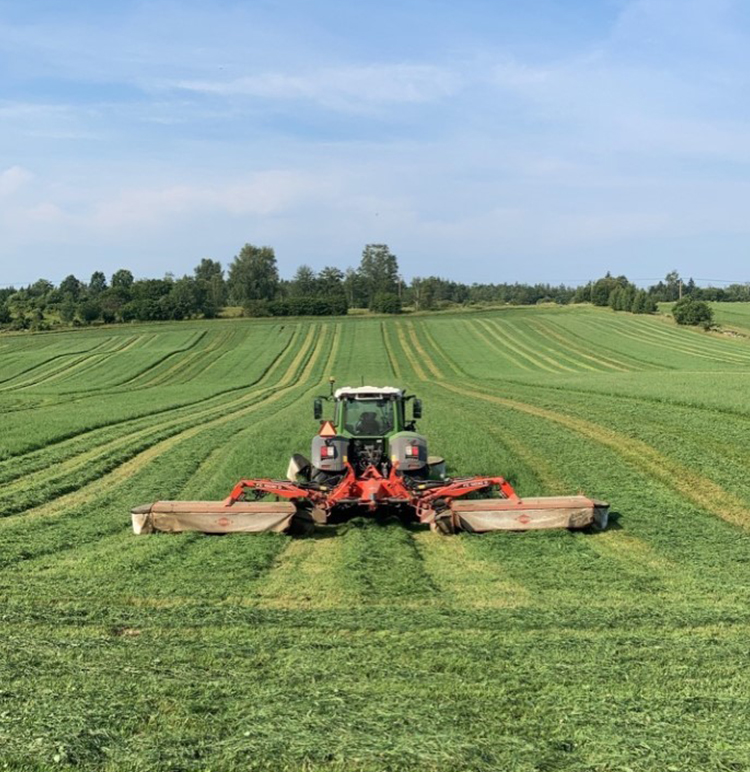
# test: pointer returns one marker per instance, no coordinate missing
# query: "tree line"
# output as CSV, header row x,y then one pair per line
x,y
690,301
252,282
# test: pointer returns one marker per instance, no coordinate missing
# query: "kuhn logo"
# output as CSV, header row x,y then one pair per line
x,y
223,522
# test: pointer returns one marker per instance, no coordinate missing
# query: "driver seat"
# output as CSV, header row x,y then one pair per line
x,y
368,424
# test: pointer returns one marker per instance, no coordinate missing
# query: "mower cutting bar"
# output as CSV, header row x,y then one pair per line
x,y
514,514
213,517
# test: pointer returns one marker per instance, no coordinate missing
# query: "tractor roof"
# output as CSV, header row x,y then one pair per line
x,y
367,392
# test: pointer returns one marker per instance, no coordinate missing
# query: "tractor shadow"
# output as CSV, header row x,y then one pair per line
x,y
385,521
336,530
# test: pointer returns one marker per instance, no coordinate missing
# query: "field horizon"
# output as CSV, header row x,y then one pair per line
x,y
372,646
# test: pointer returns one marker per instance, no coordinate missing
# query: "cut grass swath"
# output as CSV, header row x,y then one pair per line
x,y
376,647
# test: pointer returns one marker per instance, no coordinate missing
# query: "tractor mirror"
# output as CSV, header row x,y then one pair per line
x,y
318,408
417,408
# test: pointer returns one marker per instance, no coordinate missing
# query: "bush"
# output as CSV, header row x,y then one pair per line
x,y
693,312
21,322
256,308
301,306
89,311
386,303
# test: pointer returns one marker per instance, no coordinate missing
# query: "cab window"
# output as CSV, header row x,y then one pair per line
x,y
368,418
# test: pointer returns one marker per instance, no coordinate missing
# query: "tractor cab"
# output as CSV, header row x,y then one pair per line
x,y
369,412
371,426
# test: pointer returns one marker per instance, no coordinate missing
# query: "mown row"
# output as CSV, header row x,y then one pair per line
x,y
376,647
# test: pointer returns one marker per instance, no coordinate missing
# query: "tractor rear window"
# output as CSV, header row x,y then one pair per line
x,y
368,418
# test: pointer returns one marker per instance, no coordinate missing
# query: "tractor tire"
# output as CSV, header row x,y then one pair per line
x,y
302,523
443,523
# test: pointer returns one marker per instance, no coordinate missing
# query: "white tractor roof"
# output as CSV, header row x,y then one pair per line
x,y
367,392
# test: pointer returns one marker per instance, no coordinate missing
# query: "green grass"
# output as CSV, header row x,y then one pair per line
x,y
730,316
733,315
376,647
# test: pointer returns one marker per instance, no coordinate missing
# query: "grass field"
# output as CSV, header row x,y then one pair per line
x,y
377,647
732,316
736,315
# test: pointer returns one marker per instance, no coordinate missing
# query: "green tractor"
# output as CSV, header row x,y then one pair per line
x,y
370,427
369,459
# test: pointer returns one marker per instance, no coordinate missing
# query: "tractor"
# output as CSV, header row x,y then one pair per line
x,y
369,459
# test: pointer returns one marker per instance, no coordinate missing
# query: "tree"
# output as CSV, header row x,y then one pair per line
x,y
98,283
602,289
693,312
304,283
40,288
70,287
639,302
582,294
628,296
207,269
418,293
355,289
67,311
122,280
331,281
615,291
210,287
182,300
616,299
149,300
253,275
89,311
379,271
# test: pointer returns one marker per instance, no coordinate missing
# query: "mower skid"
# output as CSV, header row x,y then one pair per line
x,y
482,515
213,517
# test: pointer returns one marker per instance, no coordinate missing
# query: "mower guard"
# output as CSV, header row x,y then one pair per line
x,y
515,514
213,517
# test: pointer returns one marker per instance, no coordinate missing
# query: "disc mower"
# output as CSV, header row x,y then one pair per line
x,y
367,459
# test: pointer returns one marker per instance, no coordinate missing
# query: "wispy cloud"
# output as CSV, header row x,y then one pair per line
x,y
264,194
341,87
113,213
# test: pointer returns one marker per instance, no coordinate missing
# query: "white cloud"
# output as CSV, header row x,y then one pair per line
x,y
340,87
265,194
13,179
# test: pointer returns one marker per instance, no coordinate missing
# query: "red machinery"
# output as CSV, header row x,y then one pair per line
x,y
375,462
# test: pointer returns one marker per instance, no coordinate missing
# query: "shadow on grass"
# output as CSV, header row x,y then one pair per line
x,y
337,530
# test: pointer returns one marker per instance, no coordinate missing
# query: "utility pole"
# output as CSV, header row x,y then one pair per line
x,y
680,289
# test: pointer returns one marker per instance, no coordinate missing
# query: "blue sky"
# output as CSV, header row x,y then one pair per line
x,y
483,141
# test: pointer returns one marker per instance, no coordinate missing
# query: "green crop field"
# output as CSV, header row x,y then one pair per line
x,y
377,647
736,315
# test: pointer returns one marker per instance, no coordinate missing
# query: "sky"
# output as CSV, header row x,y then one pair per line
x,y
487,140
